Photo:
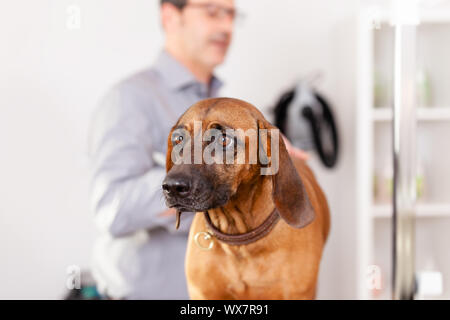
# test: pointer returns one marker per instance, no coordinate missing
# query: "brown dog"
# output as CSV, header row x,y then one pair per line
x,y
238,248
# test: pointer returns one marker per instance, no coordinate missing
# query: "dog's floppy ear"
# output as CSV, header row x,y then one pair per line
x,y
288,192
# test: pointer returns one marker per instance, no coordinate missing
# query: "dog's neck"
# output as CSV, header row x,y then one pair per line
x,y
247,209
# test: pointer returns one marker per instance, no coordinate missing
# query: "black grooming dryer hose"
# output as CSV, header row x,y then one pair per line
x,y
306,119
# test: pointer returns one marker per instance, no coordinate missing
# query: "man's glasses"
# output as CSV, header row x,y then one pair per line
x,y
218,12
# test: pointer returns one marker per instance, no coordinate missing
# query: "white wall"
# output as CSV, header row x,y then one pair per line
x,y
51,78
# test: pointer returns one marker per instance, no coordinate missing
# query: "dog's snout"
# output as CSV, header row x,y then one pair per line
x,y
190,188
176,186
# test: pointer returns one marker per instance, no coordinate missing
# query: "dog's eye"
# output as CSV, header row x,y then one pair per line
x,y
178,139
226,141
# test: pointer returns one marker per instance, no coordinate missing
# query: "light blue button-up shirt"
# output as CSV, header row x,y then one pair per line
x,y
138,253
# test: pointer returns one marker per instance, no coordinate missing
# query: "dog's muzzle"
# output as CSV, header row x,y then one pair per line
x,y
188,189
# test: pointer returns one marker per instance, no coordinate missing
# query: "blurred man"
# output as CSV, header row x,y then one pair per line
x,y
138,254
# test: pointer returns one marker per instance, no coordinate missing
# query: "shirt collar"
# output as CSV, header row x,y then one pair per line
x,y
179,77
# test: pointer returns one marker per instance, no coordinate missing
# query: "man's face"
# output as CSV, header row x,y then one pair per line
x,y
205,30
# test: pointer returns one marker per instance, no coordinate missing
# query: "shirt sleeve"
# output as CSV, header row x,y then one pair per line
x,y
125,189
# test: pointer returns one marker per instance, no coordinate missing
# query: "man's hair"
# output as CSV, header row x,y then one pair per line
x,y
177,3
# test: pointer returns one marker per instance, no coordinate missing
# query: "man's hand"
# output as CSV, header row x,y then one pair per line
x,y
293,151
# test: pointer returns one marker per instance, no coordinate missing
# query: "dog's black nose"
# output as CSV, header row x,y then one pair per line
x,y
176,186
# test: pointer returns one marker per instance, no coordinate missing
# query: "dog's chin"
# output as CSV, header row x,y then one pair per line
x,y
192,206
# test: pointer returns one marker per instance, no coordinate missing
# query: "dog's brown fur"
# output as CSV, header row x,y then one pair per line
x,y
285,263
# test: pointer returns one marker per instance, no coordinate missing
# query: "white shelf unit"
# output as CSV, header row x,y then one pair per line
x,y
423,210
423,114
374,150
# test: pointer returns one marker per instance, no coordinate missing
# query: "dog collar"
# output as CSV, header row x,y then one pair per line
x,y
244,238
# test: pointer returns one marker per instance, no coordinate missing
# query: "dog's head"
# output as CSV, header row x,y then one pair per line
x,y
220,144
